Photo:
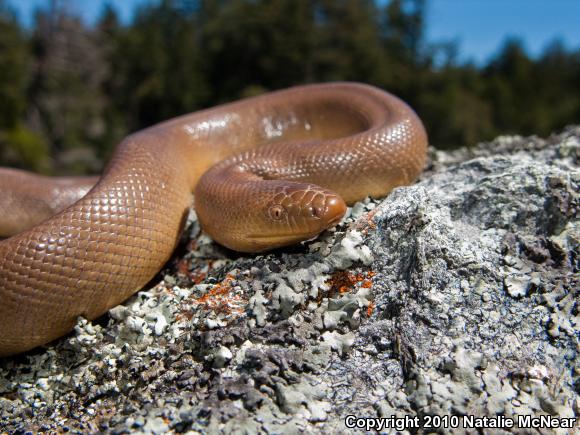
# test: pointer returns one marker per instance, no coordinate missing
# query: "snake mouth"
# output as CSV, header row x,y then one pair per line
x,y
336,220
281,237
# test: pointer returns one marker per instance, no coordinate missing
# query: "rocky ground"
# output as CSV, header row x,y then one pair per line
x,y
454,298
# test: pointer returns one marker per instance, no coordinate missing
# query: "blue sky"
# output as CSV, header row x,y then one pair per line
x,y
479,26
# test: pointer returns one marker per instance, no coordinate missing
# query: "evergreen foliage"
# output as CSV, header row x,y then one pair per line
x,y
72,91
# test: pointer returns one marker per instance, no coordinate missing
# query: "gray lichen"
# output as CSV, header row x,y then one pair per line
x,y
458,295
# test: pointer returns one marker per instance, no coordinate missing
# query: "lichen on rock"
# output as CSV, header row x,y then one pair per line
x,y
457,295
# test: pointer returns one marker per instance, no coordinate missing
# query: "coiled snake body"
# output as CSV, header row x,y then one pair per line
x,y
265,172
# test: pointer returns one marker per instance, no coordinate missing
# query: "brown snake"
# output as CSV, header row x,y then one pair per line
x,y
255,168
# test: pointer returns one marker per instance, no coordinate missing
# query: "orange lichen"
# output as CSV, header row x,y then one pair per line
x,y
367,283
184,316
366,222
183,267
343,281
221,298
196,276
369,218
370,309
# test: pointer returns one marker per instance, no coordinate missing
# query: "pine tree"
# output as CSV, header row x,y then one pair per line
x,y
19,146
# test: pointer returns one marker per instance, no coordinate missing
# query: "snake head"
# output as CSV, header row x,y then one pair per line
x,y
293,213
251,214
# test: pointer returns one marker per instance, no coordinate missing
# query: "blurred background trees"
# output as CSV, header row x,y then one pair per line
x,y
69,92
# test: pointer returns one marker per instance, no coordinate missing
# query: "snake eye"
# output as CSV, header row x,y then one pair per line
x,y
313,212
276,212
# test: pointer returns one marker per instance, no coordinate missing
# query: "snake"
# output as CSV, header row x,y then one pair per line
x,y
263,172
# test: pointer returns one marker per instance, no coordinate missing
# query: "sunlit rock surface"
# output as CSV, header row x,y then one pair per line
x,y
458,296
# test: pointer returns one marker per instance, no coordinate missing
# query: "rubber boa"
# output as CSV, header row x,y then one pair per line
x,y
265,172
